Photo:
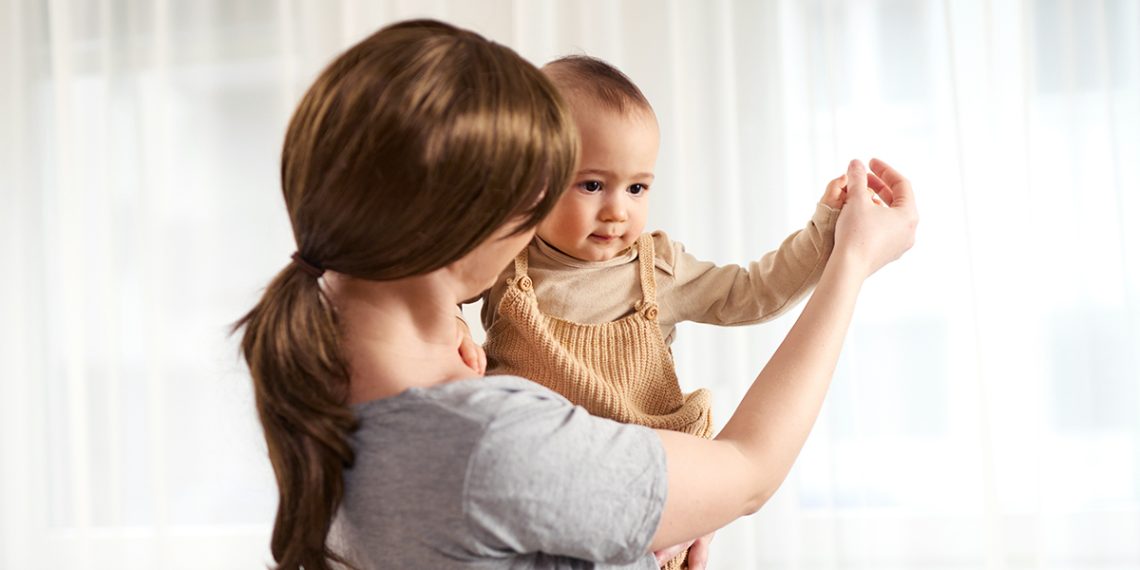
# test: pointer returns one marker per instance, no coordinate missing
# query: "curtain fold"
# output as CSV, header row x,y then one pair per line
x,y
986,410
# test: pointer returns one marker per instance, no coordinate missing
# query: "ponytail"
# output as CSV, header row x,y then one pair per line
x,y
410,149
300,381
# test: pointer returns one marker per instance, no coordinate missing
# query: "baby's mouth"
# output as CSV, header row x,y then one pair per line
x,y
602,238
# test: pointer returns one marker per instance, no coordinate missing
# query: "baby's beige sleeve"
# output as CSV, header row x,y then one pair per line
x,y
733,295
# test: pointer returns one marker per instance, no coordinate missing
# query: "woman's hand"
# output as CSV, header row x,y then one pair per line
x,y
666,554
867,233
472,354
835,194
699,552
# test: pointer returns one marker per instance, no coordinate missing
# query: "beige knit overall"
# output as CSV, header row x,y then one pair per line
x,y
621,370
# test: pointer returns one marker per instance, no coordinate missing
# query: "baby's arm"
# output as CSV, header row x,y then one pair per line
x,y
735,295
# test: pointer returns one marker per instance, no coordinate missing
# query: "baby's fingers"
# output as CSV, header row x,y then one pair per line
x,y
833,196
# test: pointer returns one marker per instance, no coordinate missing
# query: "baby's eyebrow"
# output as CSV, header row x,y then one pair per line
x,y
610,174
595,171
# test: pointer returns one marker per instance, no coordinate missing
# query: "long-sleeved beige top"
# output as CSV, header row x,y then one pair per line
x,y
688,289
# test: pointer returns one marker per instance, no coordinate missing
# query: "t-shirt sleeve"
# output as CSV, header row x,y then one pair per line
x,y
549,477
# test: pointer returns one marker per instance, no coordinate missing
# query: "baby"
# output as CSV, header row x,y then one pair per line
x,y
589,308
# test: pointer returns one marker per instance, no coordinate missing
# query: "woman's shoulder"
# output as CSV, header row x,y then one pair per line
x,y
513,466
530,430
547,476
497,413
477,396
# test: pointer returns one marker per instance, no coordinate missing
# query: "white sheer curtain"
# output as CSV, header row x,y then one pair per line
x,y
986,413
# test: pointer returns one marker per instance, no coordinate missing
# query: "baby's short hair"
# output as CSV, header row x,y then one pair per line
x,y
585,76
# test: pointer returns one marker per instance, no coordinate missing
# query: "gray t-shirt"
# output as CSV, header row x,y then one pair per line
x,y
498,472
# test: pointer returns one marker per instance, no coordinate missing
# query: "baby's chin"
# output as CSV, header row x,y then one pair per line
x,y
589,249
599,250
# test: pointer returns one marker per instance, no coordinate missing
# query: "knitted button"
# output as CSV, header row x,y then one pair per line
x,y
525,283
650,311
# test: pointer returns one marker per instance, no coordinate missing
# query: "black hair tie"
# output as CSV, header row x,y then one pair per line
x,y
310,268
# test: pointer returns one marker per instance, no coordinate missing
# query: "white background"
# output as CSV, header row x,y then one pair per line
x,y
986,413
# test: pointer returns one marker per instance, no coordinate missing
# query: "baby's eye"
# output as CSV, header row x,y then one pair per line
x,y
638,189
591,185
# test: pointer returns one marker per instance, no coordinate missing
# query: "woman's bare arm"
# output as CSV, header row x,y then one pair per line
x,y
711,483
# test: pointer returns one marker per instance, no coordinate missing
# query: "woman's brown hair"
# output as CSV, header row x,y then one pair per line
x,y
408,151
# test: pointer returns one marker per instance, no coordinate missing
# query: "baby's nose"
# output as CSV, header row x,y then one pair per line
x,y
613,210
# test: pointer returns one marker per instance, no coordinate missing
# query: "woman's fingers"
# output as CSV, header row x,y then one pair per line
x,y
899,185
881,188
856,179
876,236
884,171
834,196
902,195
471,353
699,552
666,554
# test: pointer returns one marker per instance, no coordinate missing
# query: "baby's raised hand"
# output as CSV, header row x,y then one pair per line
x,y
836,193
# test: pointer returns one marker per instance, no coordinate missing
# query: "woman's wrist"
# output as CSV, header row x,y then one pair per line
x,y
847,264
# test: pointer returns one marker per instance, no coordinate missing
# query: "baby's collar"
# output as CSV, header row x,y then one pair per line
x,y
627,255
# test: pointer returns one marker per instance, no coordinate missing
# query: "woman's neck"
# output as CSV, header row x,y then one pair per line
x,y
397,334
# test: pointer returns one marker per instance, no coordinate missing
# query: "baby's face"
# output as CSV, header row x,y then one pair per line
x,y
605,208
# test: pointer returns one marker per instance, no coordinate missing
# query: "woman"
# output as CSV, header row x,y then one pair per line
x,y
414,169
